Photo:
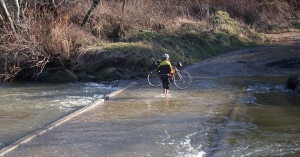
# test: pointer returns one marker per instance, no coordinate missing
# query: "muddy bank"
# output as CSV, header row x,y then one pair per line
x,y
278,60
281,59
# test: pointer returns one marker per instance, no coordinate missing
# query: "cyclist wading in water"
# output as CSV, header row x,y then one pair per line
x,y
164,70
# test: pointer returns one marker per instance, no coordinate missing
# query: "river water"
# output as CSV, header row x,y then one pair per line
x,y
26,107
215,117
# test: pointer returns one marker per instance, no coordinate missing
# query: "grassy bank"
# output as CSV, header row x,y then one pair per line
x,y
187,43
119,38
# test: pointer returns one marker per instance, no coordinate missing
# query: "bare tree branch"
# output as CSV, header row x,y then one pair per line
x,y
16,13
88,14
7,16
40,65
52,3
123,7
1,20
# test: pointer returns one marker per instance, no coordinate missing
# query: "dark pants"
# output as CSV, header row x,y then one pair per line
x,y
165,81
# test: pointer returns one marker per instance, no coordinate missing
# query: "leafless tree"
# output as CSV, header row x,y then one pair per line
x,y
7,16
16,7
88,14
94,5
1,20
207,9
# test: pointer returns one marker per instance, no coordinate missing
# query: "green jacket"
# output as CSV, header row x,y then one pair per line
x,y
164,67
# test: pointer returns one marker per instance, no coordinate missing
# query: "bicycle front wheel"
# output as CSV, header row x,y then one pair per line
x,y
182,79
154,79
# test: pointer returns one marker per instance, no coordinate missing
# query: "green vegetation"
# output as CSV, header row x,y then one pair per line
x,y
190,46
119,38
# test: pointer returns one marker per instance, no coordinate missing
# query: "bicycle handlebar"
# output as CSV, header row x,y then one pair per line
x,y
155,62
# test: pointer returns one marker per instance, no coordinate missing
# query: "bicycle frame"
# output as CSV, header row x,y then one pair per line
x,y
181,78
178,73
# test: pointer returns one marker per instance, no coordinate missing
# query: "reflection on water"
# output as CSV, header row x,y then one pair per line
x,y
216,117
27,107
276,115
267,124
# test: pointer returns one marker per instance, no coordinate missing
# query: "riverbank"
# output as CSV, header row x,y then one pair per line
x,y
278,59
110,44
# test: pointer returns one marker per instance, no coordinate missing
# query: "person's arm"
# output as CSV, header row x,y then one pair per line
x,y
170,65
158,68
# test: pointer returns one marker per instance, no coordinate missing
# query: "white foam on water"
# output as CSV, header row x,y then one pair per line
x,y
262,89
163,96
26,107
266,88
190,150
183,146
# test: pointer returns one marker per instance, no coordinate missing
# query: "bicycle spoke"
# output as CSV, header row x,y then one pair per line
x,y
182,79
154,79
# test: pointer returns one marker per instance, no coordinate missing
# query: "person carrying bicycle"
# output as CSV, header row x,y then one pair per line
x,y
164,68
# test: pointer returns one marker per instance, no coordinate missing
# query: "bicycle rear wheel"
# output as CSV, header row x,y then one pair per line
x,y
182,79
154,79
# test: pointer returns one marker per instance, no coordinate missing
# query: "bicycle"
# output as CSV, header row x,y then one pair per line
x,y
181,78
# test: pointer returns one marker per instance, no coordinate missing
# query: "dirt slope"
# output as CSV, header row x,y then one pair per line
x,y
274,60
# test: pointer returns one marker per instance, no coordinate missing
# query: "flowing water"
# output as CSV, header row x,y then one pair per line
x,y
215,117
26,107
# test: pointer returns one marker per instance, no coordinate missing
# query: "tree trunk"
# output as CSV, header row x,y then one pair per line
x,y
207,9
16,13
88,14
1,21
123,7
7,16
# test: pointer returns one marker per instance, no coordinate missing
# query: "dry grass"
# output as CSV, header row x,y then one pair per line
x,y
93,58
63,40
44,40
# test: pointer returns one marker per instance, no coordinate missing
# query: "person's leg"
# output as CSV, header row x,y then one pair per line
x,y
165,90
165,83
167,87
